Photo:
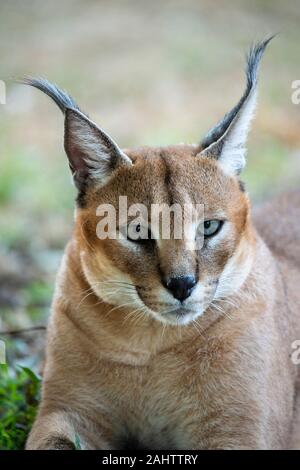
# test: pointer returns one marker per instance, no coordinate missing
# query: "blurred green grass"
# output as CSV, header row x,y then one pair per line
x,y
19,395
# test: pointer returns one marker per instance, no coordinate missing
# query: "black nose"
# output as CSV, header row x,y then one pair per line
x,y
181,287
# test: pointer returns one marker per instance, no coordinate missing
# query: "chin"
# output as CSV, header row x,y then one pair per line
x,y
178,317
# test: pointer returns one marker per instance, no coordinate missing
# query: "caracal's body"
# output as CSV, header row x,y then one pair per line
x,y
152,345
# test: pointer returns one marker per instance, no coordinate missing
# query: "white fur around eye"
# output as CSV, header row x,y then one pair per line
x,y
235,271
213,241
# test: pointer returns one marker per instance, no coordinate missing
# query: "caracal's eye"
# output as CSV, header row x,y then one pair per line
x,y
138,233
211,227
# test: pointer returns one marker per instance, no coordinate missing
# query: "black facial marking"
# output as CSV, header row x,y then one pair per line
x,y
167,178
242,186
197,270
81,198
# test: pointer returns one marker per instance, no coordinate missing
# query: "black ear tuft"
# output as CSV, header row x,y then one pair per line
x,y
93,155
252,63
63,100
253,60
226,140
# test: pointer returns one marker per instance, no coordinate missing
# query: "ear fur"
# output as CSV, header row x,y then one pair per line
x,y
92,154
226,142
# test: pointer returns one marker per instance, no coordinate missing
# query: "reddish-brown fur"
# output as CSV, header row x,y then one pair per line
x,y
223,381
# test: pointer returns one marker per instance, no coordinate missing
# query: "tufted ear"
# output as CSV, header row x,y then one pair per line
x,y
226,142
92,154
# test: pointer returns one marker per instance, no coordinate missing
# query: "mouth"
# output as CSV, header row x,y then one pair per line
x,y
175,315
180,314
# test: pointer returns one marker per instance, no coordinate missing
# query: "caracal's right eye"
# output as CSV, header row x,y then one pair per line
x,y
138,233
211,227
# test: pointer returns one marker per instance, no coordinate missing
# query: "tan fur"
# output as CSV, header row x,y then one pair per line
x,y
117,376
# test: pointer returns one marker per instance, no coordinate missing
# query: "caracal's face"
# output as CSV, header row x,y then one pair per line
x,y
172,277
138,274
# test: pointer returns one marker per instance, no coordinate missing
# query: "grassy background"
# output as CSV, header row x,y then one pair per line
x,y
152,73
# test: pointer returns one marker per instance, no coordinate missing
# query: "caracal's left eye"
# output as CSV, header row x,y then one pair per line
x,y
139,233
211,227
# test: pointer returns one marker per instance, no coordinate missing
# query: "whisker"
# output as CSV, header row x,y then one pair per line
x,y
223,312
163,332
198,327
116,307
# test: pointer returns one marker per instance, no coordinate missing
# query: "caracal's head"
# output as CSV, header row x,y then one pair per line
x,y
127,256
